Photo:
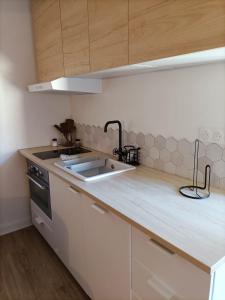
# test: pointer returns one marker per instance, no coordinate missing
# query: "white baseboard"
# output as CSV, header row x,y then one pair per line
x,y
14,226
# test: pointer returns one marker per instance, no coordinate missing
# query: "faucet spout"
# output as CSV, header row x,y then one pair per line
x,y
120,135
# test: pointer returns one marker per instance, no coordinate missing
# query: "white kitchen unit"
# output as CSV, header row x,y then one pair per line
x,y
107,245
93,243
112,260
67,216
120,240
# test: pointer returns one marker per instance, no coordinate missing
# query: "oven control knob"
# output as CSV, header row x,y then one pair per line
x,y
40,173
32,168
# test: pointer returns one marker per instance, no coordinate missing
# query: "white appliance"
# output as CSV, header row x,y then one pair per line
x,y
69,85
91,83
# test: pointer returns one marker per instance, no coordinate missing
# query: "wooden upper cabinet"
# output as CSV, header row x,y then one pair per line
x,y
47,39
108,33
171,27
74,19
73,37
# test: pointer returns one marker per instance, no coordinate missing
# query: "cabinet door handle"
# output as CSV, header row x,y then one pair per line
x,y
162,246
73,190
39,221
99,208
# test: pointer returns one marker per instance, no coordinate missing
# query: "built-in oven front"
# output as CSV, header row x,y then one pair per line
x,y
39,187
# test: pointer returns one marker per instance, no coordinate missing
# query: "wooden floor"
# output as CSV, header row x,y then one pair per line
x,y
30,270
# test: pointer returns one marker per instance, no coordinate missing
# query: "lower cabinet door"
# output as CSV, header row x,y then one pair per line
x,y
107,245
67,217
159,274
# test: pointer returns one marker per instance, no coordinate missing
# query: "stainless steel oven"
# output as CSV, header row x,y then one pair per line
x,y
39,187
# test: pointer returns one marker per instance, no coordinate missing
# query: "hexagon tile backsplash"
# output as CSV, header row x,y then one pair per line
x,y
165,154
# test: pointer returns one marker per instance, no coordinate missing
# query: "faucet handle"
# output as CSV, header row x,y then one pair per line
x,y
115,151
122,153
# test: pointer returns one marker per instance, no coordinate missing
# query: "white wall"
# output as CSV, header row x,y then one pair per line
x,y
172,103
25,119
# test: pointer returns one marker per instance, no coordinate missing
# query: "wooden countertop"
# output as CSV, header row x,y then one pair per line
x,y
149,200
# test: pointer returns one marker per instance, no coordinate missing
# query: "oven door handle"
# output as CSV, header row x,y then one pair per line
x,y
42,187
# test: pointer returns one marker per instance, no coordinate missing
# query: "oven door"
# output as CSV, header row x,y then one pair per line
x,y
40,194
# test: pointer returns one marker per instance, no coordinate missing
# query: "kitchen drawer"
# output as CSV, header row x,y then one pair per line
x,y
42,223
158,267
148,286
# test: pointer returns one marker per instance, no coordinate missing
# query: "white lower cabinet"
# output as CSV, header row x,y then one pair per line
x,y
158,274
112,260
67,218
93,243
107,244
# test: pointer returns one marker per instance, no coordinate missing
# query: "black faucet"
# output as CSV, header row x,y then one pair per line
x,y
119,152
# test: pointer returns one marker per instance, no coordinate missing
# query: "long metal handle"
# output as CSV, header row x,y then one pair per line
x,y
35,182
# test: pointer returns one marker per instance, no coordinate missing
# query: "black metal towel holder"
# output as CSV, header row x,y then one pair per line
x,y
195,191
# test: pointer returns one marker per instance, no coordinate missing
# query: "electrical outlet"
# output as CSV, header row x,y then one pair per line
x,y
205,134
218,136
211,135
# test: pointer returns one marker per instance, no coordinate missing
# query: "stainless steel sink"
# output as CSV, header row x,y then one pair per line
x,y
75,161
91,168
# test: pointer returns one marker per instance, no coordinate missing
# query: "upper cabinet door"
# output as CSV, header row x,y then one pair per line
x,y
74,18
108,32
171,27
47,39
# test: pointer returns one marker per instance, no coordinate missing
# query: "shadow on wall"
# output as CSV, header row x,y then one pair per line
x,y
13,188
12,133
26,120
